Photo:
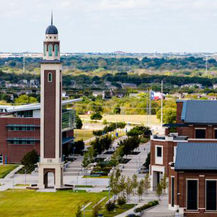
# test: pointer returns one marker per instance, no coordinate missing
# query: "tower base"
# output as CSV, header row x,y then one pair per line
x,y
56,169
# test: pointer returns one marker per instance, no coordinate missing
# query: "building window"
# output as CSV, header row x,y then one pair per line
x,y
200,133
50,77
159,152
26,114
50,50
210,194
192,194
172,191
215,133
22,141
56,50
1,159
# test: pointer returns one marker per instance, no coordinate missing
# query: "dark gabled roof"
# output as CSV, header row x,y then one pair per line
x,y
199,111
196,156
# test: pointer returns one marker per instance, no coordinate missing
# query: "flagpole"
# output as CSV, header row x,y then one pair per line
x,y
162,103
147,106
150,108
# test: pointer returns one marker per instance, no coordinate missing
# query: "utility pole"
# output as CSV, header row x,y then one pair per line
x,y
162,83
24,64
206,65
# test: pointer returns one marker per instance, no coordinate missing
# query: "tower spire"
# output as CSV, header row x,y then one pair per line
x,y
51,17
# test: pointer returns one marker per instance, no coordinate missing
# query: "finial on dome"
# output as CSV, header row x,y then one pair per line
x,y
51,17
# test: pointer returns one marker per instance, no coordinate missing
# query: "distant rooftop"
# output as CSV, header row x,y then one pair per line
x,y
36,106
199,111
196,156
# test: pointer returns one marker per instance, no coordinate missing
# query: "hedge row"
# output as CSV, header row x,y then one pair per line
x,y
146,206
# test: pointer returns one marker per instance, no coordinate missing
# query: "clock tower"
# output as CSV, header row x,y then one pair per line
x,y
51,111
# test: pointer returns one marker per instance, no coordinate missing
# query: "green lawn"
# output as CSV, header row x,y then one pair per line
x,y
27,203
83,134
133,119
5,169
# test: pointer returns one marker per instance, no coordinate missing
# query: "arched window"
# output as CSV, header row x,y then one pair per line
x,y
56,50
50,50
49,77
45,50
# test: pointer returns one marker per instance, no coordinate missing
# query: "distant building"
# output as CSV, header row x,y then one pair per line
x,y
192,85
20,130
128,85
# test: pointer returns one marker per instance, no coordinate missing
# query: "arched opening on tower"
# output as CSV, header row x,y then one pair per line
x,y
49,180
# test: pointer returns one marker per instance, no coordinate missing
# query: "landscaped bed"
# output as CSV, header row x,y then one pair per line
x,y
6,169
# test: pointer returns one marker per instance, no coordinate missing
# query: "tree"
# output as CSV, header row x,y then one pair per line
x,y
78,147
147,161
129,144
140,131
147,183
85,161
96,116
169,115
164,183
96,210
122,185
129,187
24,99
110,206
159,191
114,181
91,153
29,160
78,122
78,212
135,181
140,189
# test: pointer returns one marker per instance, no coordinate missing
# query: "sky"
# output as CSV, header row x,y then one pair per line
x,y
111,25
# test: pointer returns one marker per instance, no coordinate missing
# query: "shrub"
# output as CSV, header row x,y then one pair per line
x,y
98,133
78,122
110,206
146,206
96,116
121,201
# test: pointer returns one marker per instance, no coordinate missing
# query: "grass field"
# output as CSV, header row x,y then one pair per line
x,y
133,119
27,203
5,169
83,134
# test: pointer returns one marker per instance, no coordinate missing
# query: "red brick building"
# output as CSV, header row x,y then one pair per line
x,y
20,130
196,129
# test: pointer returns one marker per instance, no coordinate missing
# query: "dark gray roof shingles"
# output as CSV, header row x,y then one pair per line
x,y
200,111
196,156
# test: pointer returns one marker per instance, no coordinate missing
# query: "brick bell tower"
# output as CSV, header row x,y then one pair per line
x,y
51,111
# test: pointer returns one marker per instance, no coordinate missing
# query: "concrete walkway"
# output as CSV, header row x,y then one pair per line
x,y
132,167
160,210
